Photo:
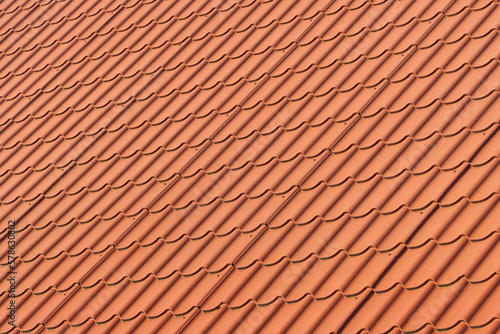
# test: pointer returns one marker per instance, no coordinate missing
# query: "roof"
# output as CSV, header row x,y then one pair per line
x,y
251,166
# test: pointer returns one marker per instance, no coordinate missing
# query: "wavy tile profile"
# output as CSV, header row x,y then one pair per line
x,y
250,166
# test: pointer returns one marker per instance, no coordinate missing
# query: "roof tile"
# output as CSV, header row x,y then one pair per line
x,y
251,166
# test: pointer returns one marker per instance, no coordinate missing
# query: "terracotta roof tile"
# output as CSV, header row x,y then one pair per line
x,y
251,166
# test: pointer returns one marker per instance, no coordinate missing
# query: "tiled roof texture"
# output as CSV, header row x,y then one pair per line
x,y
251,166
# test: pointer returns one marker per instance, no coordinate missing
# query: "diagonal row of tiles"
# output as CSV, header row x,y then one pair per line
x,y
408,154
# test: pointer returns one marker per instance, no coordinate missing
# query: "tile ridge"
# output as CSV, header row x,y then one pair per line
x,y
155,179
232,136
134,99
175,17
211,34
248,51
256,262
119,6
278,298
246,80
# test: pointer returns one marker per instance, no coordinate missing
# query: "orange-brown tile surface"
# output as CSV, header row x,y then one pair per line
x,y
251,166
